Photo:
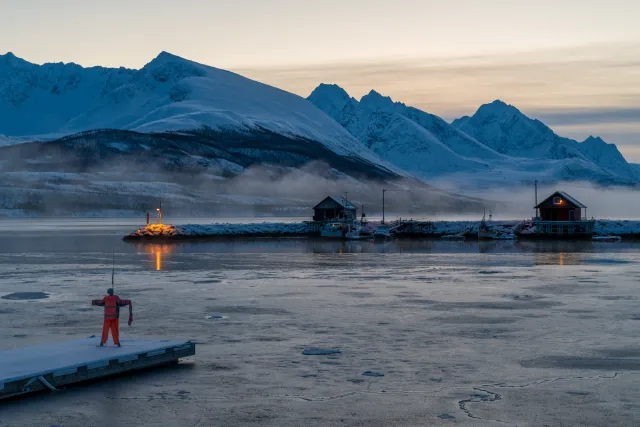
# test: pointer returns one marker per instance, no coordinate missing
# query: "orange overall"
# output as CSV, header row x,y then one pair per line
x,y
112,304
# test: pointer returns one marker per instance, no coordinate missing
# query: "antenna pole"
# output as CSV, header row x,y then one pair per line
x,y
383,191
113,265
536,189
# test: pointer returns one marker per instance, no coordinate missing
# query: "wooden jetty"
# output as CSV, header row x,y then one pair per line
x,y
47,367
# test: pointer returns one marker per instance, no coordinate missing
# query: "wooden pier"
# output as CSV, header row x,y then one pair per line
x,y
47,367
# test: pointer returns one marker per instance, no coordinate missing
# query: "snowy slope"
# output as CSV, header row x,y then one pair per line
x,y
505,129
406,137
167,94
607,157
497,146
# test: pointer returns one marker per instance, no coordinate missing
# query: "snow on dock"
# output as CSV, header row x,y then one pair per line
x,y
265,229
411,228
30,369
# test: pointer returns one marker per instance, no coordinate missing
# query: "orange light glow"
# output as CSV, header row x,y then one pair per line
x,y
156,252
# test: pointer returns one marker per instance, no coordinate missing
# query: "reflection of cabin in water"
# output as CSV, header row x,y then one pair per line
x,y
562,215
334,208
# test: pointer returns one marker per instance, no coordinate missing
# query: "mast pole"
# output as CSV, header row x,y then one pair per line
x,y
536,191
383,191
113,265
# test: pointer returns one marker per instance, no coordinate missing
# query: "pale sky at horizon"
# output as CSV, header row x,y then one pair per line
x,y
573,64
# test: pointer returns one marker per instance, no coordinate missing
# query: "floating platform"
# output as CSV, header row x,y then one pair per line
x,y
31,369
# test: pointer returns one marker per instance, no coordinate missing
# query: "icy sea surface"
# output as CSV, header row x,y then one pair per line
x,y
305,332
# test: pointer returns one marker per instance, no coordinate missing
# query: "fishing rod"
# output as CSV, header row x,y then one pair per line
x,y
113,266
113,273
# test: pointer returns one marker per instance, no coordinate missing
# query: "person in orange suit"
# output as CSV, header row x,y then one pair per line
x,y
112,304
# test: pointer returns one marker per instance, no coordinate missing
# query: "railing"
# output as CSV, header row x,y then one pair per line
x,y
564,228
538,219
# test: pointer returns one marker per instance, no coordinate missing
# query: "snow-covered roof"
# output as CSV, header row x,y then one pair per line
x,y
338,200
564,196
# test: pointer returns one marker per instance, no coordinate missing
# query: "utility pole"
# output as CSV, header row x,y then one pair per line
x,y
383,191
536,189
346,204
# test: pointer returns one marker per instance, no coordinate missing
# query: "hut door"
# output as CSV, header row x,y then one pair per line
x,y
572,215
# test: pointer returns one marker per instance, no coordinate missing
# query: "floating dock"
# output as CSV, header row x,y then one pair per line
x,y
31,369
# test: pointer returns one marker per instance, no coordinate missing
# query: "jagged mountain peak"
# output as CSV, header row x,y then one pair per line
x,y
375,101
331,98
331,93
165,57
12,61
497,108
167,67
595,140
417,141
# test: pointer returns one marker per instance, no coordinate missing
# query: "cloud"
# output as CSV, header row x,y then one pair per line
x,y
590,115
587,85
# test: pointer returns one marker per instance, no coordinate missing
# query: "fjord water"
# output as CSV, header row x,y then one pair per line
x,y
515,333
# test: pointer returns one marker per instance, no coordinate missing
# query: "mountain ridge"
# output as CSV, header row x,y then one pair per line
x,y
169,93
501,141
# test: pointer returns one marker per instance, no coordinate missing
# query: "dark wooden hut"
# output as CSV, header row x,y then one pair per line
x,y
333,208
560,215
560,207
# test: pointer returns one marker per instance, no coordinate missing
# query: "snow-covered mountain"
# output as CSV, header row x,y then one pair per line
x,y
173,120
416,141
496,146
608,157
505,129
168,94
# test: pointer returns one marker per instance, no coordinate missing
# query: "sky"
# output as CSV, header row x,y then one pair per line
x,y
574,64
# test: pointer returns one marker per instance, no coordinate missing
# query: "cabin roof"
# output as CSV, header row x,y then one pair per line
x,y
339,200
564,196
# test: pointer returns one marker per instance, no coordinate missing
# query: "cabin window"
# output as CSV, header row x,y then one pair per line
x,y
557,200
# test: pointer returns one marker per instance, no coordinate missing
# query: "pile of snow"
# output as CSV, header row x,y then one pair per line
x,y
503,230
604,227
215,230
500,228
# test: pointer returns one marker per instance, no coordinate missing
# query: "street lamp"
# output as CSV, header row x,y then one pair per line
x,y
383,191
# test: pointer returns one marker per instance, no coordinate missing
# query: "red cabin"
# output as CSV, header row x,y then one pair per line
x,y
560,207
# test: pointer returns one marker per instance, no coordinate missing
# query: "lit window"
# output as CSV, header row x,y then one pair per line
x,y
557,200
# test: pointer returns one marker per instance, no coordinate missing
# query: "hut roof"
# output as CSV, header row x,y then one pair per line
x,y
564,196
339,200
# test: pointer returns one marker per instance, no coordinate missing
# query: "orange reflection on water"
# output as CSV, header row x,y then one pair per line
x,y
156,252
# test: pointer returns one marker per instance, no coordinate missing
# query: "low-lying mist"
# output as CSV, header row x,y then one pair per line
x,y
518,201
127,185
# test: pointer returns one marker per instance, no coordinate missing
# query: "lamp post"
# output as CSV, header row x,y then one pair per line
x,y
383,191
